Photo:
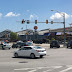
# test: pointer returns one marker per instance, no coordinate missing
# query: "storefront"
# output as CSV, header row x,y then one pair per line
x,y
58,35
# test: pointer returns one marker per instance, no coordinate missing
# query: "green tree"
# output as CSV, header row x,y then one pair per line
x,y
13,36
52,39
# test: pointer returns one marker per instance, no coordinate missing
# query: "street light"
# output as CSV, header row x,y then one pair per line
x,y
63,22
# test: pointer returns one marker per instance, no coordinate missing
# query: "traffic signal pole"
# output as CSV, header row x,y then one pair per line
x,y
63,14
27,21
64,27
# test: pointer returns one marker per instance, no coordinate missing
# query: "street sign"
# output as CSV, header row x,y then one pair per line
x,y
35,27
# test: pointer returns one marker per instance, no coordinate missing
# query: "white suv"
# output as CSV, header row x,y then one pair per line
x,y
30,51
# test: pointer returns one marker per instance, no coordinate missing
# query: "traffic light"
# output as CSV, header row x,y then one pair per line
x,y
22,21
51,22
35,21
28,21
46,21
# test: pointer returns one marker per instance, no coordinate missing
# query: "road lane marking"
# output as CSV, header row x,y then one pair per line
x,y
54,67
33,70
38,68
65,70
24,68
48,70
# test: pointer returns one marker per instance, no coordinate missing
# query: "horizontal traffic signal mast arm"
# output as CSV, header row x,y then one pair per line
x,y
42,22
28,21
45,22
57,22
38,22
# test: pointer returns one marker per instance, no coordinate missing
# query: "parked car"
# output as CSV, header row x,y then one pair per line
x,y
30,51
14,45
20,44
54,43
38,41
6,46
29,43
69,44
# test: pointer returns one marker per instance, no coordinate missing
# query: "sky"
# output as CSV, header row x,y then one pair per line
x,y
13,11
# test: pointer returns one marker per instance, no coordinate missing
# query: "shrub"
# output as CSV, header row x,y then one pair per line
x,y
52,39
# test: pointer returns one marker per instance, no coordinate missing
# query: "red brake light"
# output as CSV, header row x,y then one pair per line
x,y
26,45
38,50
4,45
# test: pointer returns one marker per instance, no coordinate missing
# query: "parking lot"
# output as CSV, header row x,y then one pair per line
x,y
56,60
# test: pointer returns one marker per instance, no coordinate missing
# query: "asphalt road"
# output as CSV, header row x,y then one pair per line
x,y
56,60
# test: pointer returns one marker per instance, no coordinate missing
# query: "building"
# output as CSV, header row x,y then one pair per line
x,y
59,33
5,34
29,34
46,33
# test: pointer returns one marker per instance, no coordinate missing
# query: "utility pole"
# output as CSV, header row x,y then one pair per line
x,y
63,14
64,27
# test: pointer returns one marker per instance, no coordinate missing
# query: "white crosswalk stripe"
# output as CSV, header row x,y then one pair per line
x,y
69,68
53,67
23,69
47,69
65,70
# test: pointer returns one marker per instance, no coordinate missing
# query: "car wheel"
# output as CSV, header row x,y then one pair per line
x,y
32,56
20,46
41,56
67,46
51,47
16,47
12,46
9,48
16,55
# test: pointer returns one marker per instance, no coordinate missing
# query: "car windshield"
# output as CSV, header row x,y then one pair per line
x,y
29,43
37,47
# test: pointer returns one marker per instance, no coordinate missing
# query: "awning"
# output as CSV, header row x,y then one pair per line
x,y
68,32
71,33
58,33
61,33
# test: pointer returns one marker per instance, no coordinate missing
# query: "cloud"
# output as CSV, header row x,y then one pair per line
x,y
10,14
33,16
28,10
0,15
71,16
58,16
